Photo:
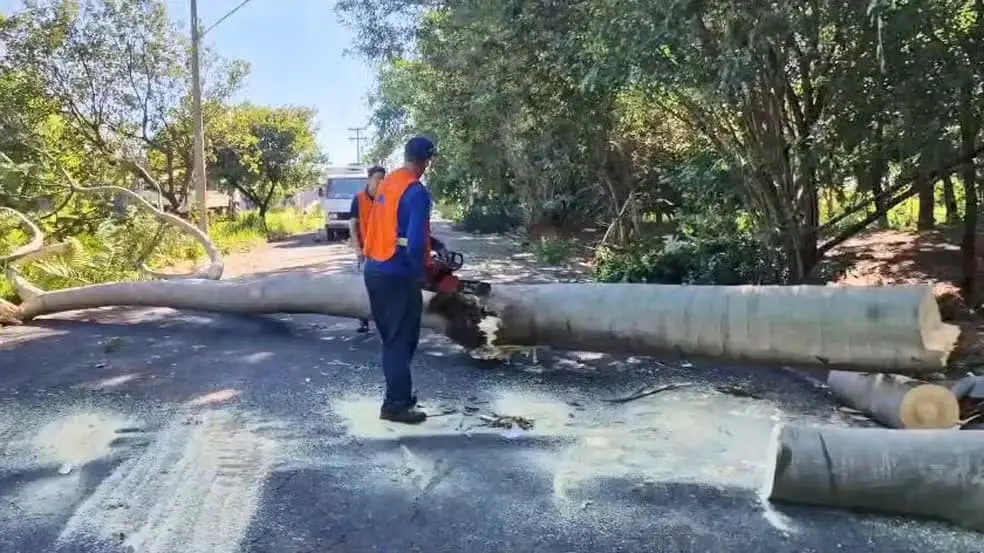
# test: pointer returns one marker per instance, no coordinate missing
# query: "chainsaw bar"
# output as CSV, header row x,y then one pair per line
x,y
476,288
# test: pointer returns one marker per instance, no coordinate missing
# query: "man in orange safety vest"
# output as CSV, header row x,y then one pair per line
x,y
359,219
397,247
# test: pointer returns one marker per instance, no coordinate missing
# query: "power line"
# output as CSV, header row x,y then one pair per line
x,y
224,17
359,138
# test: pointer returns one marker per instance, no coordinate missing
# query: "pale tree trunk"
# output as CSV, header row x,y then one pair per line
x,y
36,249
932,473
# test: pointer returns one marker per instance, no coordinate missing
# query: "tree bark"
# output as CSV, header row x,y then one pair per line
x,y
896,401
876,175
950,201
969,129
897,329
931,473
927,205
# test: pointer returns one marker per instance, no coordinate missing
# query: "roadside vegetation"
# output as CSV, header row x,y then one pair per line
x,y
98,94
694,142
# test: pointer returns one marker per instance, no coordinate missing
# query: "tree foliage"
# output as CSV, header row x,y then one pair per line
x,y
98,92
116,72
792,126
266,153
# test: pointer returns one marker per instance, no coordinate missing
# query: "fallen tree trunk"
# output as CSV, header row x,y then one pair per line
x,y
882,327
932,473
886,329
340,295
896,401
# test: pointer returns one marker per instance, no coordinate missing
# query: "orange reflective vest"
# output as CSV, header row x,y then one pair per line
x,y
365,208
381,231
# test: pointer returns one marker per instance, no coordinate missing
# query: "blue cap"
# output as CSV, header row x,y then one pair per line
x,y
419,148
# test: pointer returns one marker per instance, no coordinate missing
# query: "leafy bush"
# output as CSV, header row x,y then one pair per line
x,y
113,252
731,260
552,251
490,216
450,210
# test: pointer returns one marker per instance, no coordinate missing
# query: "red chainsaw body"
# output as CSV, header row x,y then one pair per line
x,y
441,278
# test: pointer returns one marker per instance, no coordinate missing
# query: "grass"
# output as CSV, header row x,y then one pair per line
x,y
113,251
247,232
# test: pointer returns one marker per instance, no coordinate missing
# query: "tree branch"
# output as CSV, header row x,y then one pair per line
x,y
211,271
933,176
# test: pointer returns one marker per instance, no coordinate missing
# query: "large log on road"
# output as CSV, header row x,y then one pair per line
x,y
932,473
891,329
881,328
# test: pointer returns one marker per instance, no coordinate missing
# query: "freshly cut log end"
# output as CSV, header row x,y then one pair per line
x,y
930,473
929,406
10,314
896,401
468,323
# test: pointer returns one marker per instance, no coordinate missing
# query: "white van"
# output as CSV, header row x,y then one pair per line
x,y
341,185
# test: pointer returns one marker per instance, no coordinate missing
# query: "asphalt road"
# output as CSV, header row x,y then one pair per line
x,y
159,431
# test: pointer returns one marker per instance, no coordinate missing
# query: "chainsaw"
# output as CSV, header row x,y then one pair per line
x,y
441,278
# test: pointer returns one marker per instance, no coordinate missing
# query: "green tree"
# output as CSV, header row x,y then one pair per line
x,y
266,153
117,72
630,111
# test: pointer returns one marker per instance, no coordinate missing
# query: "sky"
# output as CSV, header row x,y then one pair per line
x,y
296,50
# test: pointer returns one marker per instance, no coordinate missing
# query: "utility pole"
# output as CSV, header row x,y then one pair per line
x,y
198,148
358,138
198,176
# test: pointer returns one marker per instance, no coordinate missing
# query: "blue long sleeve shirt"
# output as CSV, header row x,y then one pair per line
x,y
354,209
413,220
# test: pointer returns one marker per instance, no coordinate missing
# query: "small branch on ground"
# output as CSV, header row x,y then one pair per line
x,y
646,392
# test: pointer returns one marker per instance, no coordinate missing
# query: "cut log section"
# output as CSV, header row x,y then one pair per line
x,y
868,328
931,473
896,401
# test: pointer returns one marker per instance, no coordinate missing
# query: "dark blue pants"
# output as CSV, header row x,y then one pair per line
x,y
396,306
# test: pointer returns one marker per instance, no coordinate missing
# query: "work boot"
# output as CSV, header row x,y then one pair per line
x,y
363,327
405,415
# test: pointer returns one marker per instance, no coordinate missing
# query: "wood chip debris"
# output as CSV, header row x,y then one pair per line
x,y
506,421
491,420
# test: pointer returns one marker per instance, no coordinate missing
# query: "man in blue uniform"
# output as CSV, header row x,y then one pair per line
x,y
397,247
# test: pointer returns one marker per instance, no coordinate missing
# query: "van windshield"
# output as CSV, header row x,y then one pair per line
x,y
345,187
